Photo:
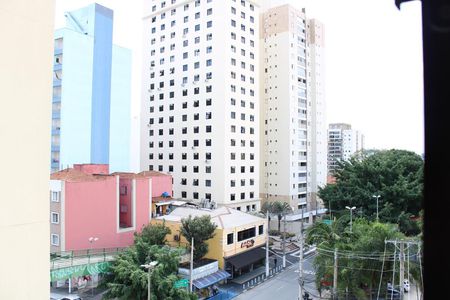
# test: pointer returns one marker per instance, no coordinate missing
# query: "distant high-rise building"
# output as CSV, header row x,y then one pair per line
x,y
200,104
91,93
343,143
293,129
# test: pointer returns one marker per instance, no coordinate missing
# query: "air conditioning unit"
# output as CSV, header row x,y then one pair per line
x,y
206,80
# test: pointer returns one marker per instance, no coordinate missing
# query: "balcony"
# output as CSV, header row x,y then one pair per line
x,y
57,67
302,190
56,99
56,115
55,148
56,82
58,51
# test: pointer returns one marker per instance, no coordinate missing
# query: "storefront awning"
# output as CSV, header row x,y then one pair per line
x,y
246,258
210,279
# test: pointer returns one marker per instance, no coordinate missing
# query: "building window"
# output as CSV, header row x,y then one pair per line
x,y
232,197
261,229
55,196
246,234
55,218
55,239
229,238
207,182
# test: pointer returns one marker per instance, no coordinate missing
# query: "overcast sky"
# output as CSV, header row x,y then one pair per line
x,y
373,63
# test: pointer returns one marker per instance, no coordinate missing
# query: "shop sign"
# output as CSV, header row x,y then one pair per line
x,y
248,243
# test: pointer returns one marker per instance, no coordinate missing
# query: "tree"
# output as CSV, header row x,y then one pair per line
x,y
360,255
277,208
201,229
153,234
128,280
396,175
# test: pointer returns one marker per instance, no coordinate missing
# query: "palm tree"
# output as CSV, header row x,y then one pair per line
x,y
276,208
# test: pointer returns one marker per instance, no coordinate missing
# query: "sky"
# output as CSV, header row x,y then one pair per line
x,y
373,64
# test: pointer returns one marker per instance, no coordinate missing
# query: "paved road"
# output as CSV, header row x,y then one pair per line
x,y
283,286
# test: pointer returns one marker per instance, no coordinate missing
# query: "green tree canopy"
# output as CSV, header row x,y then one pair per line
x,y
395,175
128,280
360,255
201,229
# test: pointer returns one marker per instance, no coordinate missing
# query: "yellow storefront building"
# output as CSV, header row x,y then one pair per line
x,y
238,238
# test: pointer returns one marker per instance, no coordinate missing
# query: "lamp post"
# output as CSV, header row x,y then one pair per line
x,y
149,268
377,196
351,210
91,241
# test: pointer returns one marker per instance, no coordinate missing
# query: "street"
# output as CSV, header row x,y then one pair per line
x,y
285,285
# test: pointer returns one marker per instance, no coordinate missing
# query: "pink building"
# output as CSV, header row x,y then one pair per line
x,y
86,201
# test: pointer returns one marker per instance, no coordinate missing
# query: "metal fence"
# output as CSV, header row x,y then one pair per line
x,y
79,257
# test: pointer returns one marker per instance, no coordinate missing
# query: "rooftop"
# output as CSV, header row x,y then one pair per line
x,y
93,172
223,217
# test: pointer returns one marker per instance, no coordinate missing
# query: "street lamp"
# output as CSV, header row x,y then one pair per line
x,y
92,240
351,210
377,196
149,267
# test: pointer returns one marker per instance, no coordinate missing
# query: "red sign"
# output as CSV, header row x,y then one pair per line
x,y
248,244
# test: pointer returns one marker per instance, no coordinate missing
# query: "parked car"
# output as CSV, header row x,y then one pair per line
x,y
55,296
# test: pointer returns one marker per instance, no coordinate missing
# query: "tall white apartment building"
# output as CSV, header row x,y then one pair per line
x,y
293,129
200,105
343,143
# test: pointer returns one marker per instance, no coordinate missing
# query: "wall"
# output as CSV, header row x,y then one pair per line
x,y
161,184
76,101
26,28
92,211
120,120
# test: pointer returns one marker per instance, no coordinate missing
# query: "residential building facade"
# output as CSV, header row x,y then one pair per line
x,y
293,137
200,103
343,143
26,28
91,93
86,201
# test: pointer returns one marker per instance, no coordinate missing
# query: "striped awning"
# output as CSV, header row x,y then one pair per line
x,y
210,279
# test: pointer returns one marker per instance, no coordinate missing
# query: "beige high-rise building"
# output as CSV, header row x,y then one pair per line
x,y
200,102
292,107
26,28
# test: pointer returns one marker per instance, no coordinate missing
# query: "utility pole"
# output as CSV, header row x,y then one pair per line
x,y
335,274
192,265
300,267
284,241
402,269
400,244
267,245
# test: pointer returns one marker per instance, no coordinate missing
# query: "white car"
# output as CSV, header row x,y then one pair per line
x,y
55,296
406,285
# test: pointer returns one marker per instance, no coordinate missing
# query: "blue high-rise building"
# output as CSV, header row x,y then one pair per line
x,y
91,93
